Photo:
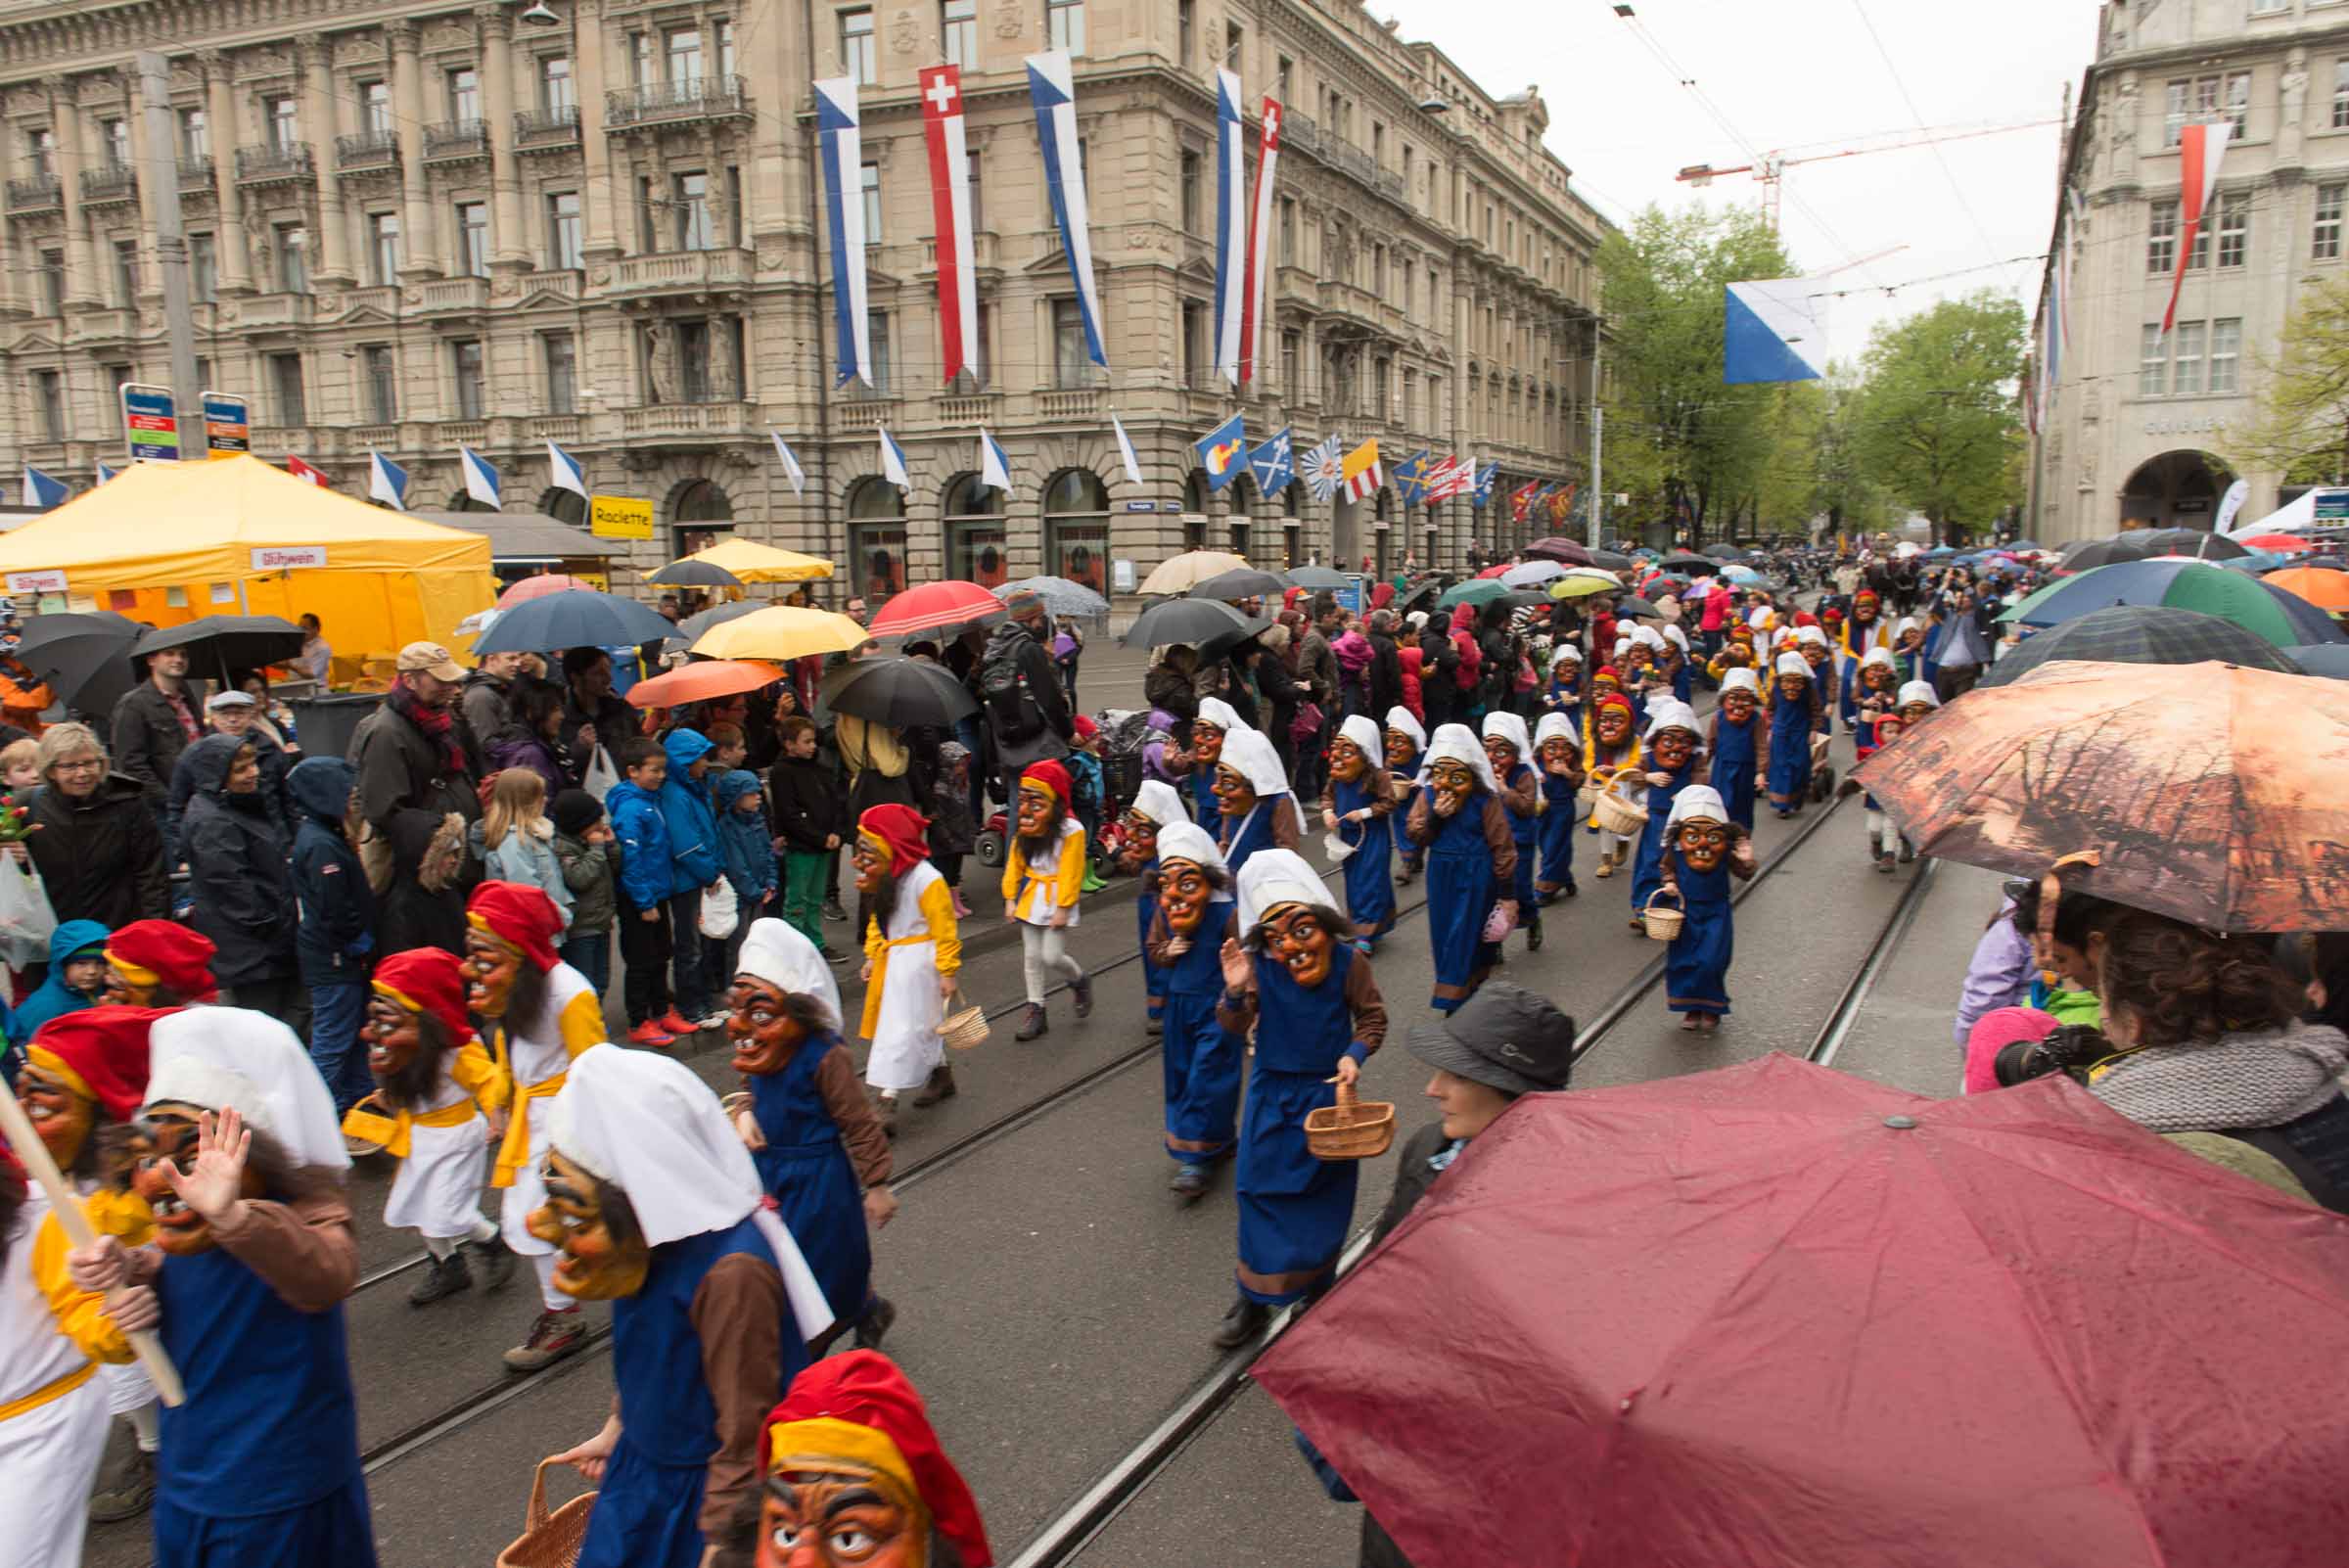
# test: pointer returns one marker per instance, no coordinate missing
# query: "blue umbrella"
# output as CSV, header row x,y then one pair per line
x,y
577,617
2330,659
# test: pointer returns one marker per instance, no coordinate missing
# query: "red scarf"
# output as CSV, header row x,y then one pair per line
x,y
436,723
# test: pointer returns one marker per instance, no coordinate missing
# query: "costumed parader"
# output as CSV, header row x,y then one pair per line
x,y
1155,807
239,1154
1737,653
1457,816
159,963
1885,845
1510,750
1703,851
1811,641
912,960
1252,789
1918,701
1360,813
853,1473
1564,693
541,1014
434,1081
1613,762
1678,671
1909,651
1673,736
1406,738
1796,711
1202,1060
818,1148
1216,721
1043,876
1316,1009
1863,633
1738,746
1558,759
654,1204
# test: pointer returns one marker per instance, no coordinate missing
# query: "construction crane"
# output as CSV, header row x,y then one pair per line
x,y
1771,171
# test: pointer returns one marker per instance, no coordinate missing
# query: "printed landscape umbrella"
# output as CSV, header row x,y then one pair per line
x,y
577,617
220,645
83,655
779,632
1247,582
2208,792
1181,574
1776,1316
1532,574
692,573
2322,587
1315,578
898,692
700,682
2141,634
540,586
1189,622
2282,617
1061,597
934,605
1564,551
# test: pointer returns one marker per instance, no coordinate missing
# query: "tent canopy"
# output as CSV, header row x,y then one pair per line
x,y
526,535
167,542
2288,520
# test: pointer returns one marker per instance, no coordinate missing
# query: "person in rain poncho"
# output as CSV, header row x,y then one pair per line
x,y
1202,1059
1359,815
913,958
1458,818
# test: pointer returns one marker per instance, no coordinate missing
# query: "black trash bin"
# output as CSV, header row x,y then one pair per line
x,y
325,724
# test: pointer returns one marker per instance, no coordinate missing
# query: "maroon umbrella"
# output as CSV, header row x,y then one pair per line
x,y
1772,1316
1563,551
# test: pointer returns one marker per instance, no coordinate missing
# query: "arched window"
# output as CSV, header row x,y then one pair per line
x,y
1241,493
463,501
564,506
974,514
876,540
702,515
1194,510
1077,528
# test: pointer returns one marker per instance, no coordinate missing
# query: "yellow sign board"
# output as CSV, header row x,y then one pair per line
x,y
617,517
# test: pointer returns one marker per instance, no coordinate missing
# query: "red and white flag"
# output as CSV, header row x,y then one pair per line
x,y
950,209
1260,243
303,471
2200,149
1451,477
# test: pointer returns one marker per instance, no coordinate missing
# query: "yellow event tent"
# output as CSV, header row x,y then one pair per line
x,y
167,542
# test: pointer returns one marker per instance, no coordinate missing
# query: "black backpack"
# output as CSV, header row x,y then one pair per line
x,y
1012,708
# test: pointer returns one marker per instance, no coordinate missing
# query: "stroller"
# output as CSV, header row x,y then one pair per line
x,y
1124,734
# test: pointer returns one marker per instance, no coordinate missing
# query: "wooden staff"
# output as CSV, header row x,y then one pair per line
x,y
34,1155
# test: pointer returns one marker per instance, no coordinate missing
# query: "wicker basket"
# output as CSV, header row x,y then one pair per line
x,y
964,1029
1663,925
549,1539
1818,751
1350,1129
1612,814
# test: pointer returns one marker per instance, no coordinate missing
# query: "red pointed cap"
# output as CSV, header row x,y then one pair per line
x,y
861,1406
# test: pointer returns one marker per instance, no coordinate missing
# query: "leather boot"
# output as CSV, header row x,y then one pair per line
x,y
941,1085
1032,1024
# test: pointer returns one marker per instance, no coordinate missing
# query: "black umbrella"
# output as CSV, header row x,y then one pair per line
x,y
575,618
2199,542
1630,604
84,656
1181,621
2327,659
1311,578
897,692
2142,634
1688,562
1248,584
1564,551
1424,589
2088,554
1610,561
694,575
1224,642
222,645
1725,552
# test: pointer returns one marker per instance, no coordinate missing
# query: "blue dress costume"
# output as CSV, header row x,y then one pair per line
x,y
1648,860
805,1168
1154,979
1789,774
1294,1207
262,1464
1371,868
1199,793
1250,833
1462,890
1696,966
1556,837
1202,1061
1414,856
648,1512
1736,750
1527,831
1682,680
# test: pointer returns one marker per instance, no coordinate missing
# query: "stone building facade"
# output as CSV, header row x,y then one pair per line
x,y
415,226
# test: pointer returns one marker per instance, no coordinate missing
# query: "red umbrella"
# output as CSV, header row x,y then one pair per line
x,y
1495,571
1566,552
934,605
1773,1316
2277,544
538,587
701,681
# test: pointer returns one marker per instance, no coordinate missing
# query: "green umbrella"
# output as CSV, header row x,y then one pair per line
x,y
1476,591
2198,585
2023,606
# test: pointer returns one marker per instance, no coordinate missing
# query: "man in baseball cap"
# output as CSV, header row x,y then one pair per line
x,y
431,659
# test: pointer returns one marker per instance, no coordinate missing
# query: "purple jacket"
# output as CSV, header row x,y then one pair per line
x,y
1998,975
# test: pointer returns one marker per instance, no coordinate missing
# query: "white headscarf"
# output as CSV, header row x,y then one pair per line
x,y
1697,800
1512,728
1272,878
1880,654
219,1058
1907,623
1622,645
1743,679
1673,713
1252,757
1157,801
1187,841
1458,743
1364,731
1648,635
1791,662
1918,691
1221,714
1564,654
1404,719
653,1129
780,953
1556,726
1818,634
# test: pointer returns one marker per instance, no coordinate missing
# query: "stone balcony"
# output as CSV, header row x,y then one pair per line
x,y
273,165
367,150
984,252
266,312
675,103
37,193
681,271
196,175
455,140
546,131
561,282
1070,403
110,185
452,295
729,419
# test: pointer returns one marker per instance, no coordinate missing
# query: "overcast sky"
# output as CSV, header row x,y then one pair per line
x,y
1789,73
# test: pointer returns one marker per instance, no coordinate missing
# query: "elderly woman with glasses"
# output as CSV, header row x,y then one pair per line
x,y
97,847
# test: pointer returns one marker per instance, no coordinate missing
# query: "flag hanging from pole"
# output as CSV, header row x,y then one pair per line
x,y
1359,475
1231,228
1480,495
1273,465
1260,244
1223,453
994,467
303,471
1411,480
950,213
1134,466
1051,88
840,144
892,461
1521,500
564,472
2201,151
791,464
1324,469
481,477
42,490
386,481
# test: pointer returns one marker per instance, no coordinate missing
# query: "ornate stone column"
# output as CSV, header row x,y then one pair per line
x,y
508,246
220,120
423,256
318,114
82,271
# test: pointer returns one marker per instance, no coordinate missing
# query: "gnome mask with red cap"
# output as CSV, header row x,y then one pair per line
x,y
891,841
510,926
415,1017
158,963
82,1068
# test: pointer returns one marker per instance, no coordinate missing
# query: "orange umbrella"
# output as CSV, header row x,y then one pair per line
x,y
700,682
2323,586
2208,792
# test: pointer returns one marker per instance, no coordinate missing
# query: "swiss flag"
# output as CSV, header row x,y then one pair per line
x,y
303,471
2200,149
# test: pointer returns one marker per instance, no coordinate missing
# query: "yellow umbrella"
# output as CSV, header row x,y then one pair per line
x,y
1188,570
752,562
782,632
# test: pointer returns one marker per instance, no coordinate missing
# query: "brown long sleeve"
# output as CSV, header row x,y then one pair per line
x,y
1420,823
1368,1008
1160,939
1383,793
842,1094
1525,796
1285,813
739,1311
1502,840
304,1250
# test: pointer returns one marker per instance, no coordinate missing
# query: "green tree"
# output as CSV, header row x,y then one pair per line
x,y
1937,423
1677,437
2299,423
1813,472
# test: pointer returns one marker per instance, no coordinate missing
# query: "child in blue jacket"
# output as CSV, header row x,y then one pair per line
x,y
748,846
695,862
334,931
642,833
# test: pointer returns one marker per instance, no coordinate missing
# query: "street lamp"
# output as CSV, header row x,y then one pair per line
x,y
1435,105
541,14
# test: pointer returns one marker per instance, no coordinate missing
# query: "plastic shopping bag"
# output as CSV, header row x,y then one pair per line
x,y
721,910
601,774
26,921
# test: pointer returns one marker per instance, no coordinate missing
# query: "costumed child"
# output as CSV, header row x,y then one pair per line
x,y
435,1078
1510,750
1613,761
239,1157
1674,735
849,1457
1876,692
1635,659
540,1014
1885,845
1317,1015
1703,851
1457,816
1565,691
813,1138
1155,809
913,958
1909,652
1252,790
1405,739
1558,759
1203,1060
653,1201
1362,797
1043,876
1676,666
1861,634
1216,723
1795,715
1918,701
158,963
1738,745
1737,653
1819,654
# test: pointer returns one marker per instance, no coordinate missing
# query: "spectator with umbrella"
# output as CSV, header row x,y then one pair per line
x,y
154,722
1027,713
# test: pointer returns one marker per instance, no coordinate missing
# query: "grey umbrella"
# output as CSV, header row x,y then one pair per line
x,y
1183,621
1061,597
1315,578
2142,634
1248,584
577,617
694,575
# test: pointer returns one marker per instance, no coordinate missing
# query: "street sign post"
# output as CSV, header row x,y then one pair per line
x,y
227,426
150,424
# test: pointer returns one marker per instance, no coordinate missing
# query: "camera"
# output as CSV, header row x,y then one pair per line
x,y
2072,1049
